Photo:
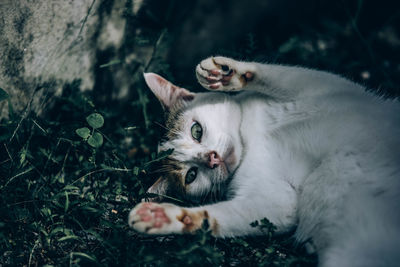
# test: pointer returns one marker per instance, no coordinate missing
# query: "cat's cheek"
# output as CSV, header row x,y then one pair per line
x,y
231,162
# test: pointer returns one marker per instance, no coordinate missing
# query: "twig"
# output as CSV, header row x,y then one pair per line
x,y
105,137
4,161
24,202
159,124
20,121
65,160
165,196
85,19
16,176
31,254
101,170
121,161
50,156
40,127
142,95
8,152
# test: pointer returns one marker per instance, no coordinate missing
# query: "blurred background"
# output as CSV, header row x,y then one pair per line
x,y
79,128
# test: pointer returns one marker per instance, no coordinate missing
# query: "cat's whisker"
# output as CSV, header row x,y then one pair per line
x,y
162,126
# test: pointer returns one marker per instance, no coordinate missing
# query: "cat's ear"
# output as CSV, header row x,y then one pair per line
x,y
160,187
168,94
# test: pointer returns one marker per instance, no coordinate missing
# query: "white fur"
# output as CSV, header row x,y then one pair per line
x,y
314,150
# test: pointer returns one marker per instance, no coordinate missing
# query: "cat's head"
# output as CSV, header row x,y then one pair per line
x,y
203,131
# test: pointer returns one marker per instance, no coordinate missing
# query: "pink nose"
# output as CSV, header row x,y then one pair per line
x,y
213,159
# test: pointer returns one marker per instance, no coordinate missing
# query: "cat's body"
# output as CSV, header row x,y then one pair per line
x,y
303,148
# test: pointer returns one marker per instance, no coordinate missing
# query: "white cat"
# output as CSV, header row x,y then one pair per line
x,y
304,148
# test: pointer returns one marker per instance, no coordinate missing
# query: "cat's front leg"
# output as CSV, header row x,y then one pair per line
x,y
224,219
277,81
224,74
165,218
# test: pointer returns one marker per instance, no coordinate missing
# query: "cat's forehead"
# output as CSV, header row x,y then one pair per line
x,y
184,150
180,116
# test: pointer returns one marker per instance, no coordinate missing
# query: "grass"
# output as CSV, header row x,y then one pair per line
x,y
65,193
65,200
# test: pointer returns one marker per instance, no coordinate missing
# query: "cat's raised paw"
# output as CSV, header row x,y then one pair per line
x,y
223,74
154,218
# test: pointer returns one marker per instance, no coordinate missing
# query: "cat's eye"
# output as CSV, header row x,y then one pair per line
x,y
196,131
191,175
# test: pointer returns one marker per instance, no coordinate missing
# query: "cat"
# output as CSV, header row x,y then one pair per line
x,y
309,150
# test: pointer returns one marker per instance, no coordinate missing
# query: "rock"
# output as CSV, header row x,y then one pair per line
x,y
47,45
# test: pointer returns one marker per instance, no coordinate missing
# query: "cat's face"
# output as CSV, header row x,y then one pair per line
x,y
203,131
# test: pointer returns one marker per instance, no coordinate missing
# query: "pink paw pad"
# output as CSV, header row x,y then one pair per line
x,y
214,72
249,76
150,212
217,77
214,85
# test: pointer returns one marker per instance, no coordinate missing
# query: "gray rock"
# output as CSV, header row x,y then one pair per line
x,y
46,45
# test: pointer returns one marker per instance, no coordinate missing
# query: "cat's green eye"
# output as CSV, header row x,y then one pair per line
x,y
196,131
191,175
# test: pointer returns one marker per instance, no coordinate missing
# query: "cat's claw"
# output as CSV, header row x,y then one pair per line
x,y
154,218
223,74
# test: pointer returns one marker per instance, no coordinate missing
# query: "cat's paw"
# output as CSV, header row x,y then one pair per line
x,y
158,219
224,74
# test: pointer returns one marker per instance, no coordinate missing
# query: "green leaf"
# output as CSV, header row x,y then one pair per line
x,y
58,229
95,120
83,255
3,95
46,212
96,140
136,171
91,209
288,45
66,206
71,188
83,132
22,157
112,62
69,237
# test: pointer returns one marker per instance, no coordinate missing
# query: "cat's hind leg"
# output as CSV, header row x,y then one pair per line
x,y
224,74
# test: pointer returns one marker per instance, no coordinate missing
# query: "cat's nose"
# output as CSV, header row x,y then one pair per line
x,y
213,159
